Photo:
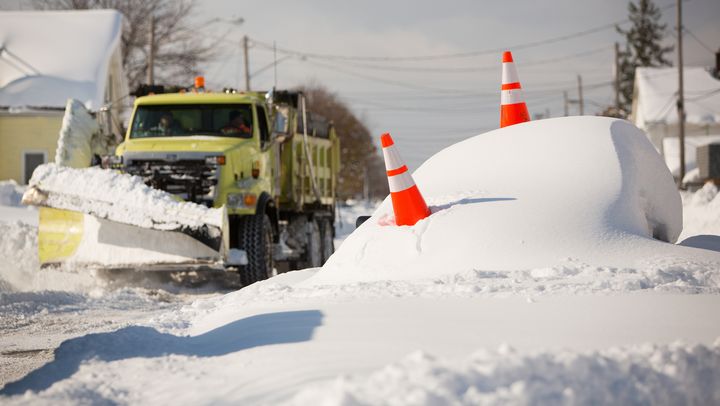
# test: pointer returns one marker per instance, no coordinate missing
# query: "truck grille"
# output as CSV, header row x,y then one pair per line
x,y
192,180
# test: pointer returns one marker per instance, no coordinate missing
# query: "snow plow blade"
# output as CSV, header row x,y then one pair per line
x,y
107,220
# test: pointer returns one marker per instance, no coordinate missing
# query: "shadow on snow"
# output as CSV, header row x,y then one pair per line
x,y
470,201
146,342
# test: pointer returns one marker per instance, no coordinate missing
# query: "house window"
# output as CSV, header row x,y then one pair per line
x,y
30,161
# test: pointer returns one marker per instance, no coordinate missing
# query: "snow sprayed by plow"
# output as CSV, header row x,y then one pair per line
x,y
119,197
124,222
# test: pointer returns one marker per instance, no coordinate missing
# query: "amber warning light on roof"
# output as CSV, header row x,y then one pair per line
x,y
199,82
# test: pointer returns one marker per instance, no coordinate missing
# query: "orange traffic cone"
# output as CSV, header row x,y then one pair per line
x,y
513,109
408,204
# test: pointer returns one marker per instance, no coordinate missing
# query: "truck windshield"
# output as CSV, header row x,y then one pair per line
x,y
222,120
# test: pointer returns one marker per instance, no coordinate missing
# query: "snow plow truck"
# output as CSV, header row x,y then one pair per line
x,y
251,178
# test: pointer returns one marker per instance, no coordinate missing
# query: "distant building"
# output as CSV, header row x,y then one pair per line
x,y
46,58
654,110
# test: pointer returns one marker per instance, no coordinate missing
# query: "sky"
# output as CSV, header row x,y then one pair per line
x,y
356,50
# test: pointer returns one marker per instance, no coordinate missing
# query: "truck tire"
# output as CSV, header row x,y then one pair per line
x,y
326,235
255,237
313,250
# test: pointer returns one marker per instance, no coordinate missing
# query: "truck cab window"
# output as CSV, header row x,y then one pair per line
x,y
176,120
262,124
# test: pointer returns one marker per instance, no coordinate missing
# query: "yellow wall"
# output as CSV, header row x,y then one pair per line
x,y
34,132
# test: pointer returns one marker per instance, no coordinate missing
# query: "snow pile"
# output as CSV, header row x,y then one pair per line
x,y
20,267
75,143
119,197
650,374
10,193
701,218
530,196
18,250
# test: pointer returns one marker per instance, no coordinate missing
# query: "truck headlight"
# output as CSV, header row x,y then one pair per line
x,y
239,200
235,200
215,160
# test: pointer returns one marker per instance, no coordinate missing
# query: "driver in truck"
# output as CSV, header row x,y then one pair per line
x,y
236,125
167,125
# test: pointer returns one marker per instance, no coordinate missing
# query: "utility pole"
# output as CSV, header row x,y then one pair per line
x,y
275,64
681,95
580,96
151,53
617,76
247,63
565,97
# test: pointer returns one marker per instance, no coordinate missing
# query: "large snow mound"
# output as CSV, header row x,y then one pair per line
x,y
585,190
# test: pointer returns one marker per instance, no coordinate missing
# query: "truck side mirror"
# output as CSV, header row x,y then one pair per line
x,y
104,117
270,96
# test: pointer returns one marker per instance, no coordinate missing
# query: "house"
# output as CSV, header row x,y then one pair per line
x,y
46,58
654,110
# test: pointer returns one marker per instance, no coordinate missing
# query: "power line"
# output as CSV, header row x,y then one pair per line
x,y
335,68
445,56
456,55
698,40
455,70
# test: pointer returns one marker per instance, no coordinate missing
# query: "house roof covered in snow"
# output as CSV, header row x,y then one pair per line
x,y
47,57
656,96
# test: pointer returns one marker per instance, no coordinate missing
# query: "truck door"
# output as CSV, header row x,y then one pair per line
x,y
274,155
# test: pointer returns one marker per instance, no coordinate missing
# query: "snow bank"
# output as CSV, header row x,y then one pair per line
x,y
10,193
18,250
121,198
586,190
701,218
20,267
650,374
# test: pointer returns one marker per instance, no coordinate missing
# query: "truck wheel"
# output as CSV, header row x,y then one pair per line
x,y
326,233
255,237
313,250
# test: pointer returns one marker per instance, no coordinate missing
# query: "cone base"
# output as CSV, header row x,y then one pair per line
x,y
513,114
409,206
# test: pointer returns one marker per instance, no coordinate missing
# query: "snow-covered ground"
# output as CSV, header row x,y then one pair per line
x,y
539,282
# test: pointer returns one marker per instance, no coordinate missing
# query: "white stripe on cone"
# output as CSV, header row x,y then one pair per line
x,y
400,182
509,73
393,161
392,158
511,96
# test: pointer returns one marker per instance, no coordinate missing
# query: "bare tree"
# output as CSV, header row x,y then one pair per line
x,y
179,51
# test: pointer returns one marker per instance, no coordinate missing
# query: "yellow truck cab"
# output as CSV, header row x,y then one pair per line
x,y
272,164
